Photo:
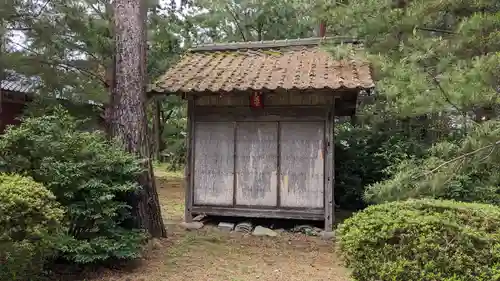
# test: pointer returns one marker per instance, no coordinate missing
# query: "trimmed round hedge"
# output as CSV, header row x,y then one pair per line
x,y
29,226
423,240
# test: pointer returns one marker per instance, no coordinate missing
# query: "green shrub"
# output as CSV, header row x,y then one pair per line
x,y
464,170
29,225
90,177
363,154
423,240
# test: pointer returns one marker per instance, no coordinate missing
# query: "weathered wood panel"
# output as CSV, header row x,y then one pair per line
x,y
224,100
302,164
213,163
261,115
330,170
297,98
189,168
270,99
256,163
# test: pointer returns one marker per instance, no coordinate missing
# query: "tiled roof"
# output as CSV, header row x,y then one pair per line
x,y
268,65
18,84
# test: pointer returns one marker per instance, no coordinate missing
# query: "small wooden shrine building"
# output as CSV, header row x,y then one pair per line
x,y
14,94
17,91
261,126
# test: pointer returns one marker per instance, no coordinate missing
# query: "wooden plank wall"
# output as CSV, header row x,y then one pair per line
x,y
279,157
275,164
302,164
256,163
213,163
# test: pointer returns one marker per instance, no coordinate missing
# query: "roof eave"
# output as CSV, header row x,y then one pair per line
x,y
314,41
180,92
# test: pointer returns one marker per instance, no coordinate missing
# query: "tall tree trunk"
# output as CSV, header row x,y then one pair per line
x,y
127,109
157,129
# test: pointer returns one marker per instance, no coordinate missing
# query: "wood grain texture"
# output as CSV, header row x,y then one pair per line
x,y
268,114
270,99
189,168
302,164
330,170
256,163
213,163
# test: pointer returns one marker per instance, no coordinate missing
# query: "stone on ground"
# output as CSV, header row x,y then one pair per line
x,y
307,230
199,217
244,227
226,226
264,231
154,244
195,225
328,235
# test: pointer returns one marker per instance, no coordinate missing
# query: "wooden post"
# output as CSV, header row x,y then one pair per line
x,y
332,196
329,169
322,29
189,168
278,167
235,178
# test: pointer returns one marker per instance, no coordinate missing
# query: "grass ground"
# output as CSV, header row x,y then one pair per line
x,y
212,255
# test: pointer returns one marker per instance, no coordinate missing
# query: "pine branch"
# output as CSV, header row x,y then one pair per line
x,y
237,21
64,65
96,10
169,115
68,66
18,16
463,156
82,49
436,30
444,93
43,8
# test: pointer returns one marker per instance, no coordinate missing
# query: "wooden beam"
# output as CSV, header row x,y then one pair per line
x,y
284,113
329,169
306,214
189,168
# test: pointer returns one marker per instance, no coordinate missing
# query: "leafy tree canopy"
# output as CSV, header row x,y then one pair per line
x,y
436,59
428,56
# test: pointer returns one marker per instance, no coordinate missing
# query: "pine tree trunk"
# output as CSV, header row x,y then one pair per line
x,y
127,109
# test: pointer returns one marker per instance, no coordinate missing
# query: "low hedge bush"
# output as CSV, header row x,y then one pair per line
x,y
423,240
29,227
91,177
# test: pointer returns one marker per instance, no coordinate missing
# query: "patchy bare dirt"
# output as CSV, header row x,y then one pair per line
x,y
212,255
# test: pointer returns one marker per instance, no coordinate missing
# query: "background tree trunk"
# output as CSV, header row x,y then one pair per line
x,y
157,129
127,109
